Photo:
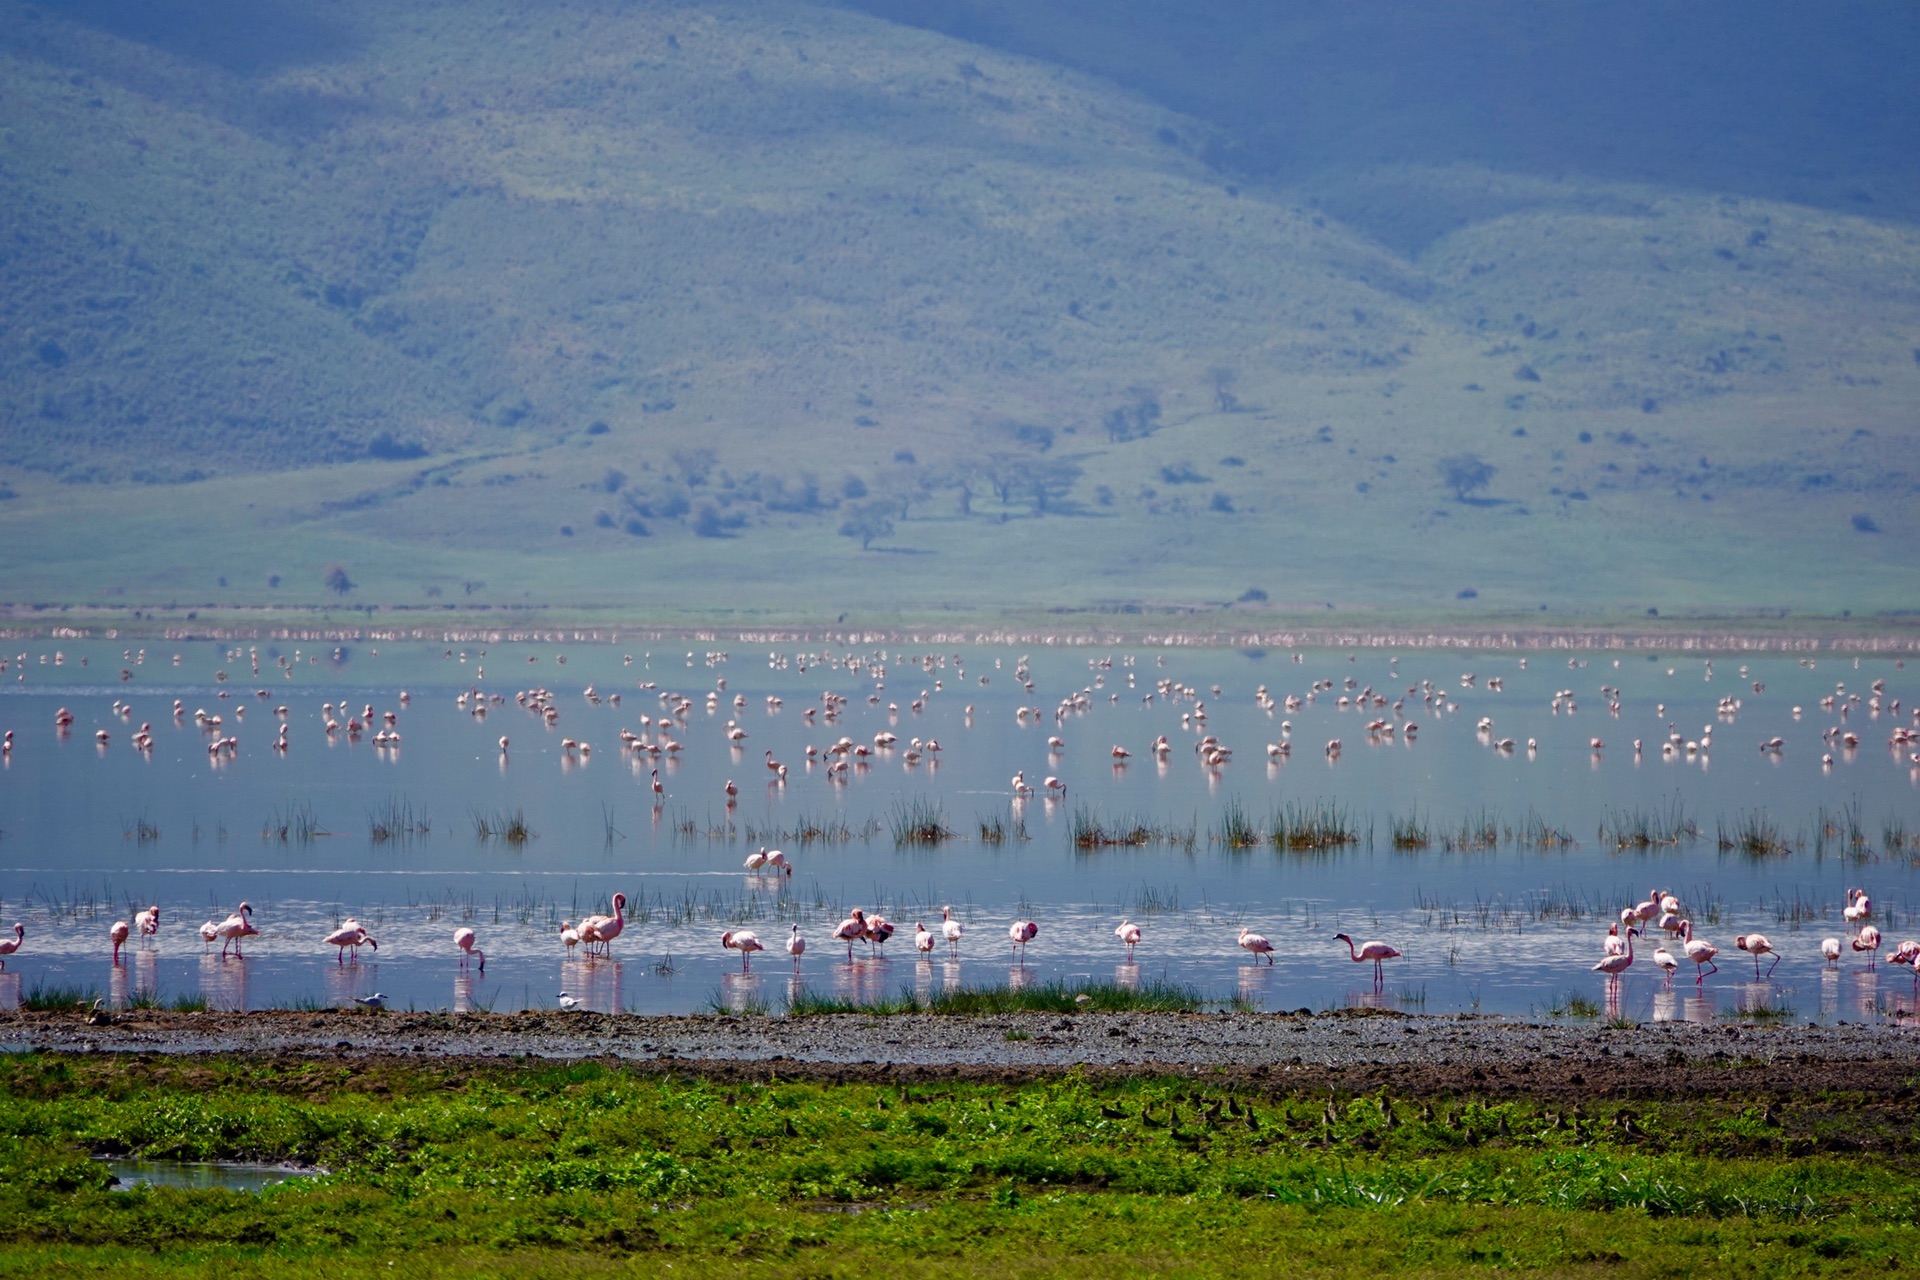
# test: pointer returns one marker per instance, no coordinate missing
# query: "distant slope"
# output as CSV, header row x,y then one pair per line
x,y
791,309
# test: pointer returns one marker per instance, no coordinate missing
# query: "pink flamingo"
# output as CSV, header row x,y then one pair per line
x,y
879,929
952,930
569,935
1378,951
851,930
922,940
1756,945
1128,932
1859,906
350,934
1700,951
119,935
744,942
1830,948
1615,965
10,945
1022,932
236,928
463,939
796,947
1613,946
1869,942
147,922
209,934
600,931
1256,944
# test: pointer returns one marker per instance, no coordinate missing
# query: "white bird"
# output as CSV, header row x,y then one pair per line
x,y
378,1000
1830,948
796,946
1128,932
568,1003
10,945
569,935
951,929
147,922
1022,932
1664,958
757,859
922,940
463,939
1869,942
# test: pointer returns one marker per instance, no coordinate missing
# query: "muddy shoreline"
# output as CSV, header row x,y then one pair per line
x,y
1340,1051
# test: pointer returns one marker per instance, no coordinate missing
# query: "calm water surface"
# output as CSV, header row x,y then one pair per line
x,y
91,831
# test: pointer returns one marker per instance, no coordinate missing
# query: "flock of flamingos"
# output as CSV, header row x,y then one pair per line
x,y
596,933
661,737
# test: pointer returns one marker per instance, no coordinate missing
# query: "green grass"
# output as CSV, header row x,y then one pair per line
x,y
538,1169
920,823
49,998
1048,997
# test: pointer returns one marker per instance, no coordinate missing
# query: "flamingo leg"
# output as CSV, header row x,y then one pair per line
x,y
1774,965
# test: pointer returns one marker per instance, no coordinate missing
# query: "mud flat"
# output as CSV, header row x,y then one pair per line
x,y
1345,1050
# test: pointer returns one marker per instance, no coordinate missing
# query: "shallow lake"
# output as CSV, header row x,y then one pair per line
x,y
1494,870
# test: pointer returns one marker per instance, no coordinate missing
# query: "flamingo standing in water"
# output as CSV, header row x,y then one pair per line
x,y
10,945
147,922
851,930
1756,945
1664,958
1859,906
1612,944
119,935
1830,948
236,928
463,939
1378,951
1128,932
743,941
1700,951
569,935
1615,965
922,940
600,931
209,934
1868,941
1255,944
350,934
950,928
796,947
1022,932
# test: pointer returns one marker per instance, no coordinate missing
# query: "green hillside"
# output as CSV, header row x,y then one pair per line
x,y
767,310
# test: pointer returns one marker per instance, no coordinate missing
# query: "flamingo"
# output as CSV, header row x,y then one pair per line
x,y
349,934
796,947
1859,907
600,931
1612,944
236,928
778,862
119,935
1869,942
922,940
733,793
1756,945
1647,910
1615,965
1830,948
1256,944
743,941
10,945
1700,952
1121,754
569,935
147,922
1378,951
209,934
757,859
1664,958
878,930
951,929
659,791
463,939
851,930
1128,932
1022,932
1054,786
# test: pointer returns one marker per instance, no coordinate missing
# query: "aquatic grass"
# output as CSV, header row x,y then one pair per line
x,y
149,1001
1087,830
1048,997
1316,827
1754,834
1648,828
1573,1006
295,823
507,826
920,823
993,829
1476,833
140,831
1411,832
394,819
1236,830
1538,834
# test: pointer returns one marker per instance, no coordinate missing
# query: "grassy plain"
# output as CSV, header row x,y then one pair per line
x,y
535,1169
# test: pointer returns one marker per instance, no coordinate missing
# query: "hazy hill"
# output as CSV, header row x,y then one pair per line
x,y
984,305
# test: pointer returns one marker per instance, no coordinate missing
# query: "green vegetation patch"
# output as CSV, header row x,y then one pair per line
x,y
535,1168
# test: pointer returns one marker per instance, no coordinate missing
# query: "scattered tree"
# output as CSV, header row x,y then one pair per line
x,y
337,580
867,521
1466,472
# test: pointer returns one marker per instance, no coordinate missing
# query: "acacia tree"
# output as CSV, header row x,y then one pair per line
x,y
867,521
1466,472
337,580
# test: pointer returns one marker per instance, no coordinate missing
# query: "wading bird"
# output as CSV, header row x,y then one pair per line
x,y
1128,932
463,939
743,941
1379,951
1256,944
